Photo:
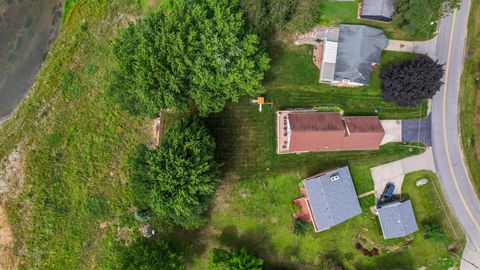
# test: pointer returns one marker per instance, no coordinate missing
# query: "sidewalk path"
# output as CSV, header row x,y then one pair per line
x,y
471,258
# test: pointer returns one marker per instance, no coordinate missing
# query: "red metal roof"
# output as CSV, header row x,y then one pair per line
x,y
316,131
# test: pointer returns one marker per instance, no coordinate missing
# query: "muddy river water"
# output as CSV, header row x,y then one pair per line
x,y
27,31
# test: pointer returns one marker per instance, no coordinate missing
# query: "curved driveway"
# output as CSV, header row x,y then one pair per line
x,y
447,150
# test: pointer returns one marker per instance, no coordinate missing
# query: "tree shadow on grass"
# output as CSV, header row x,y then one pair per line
x,y
259,244
398,260
189,243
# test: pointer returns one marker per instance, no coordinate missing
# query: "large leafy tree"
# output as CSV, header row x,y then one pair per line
x,y
192,50
419,17
150,254
409,83
151,74
221,259
181,175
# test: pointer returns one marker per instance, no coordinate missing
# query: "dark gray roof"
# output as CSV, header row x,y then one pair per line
x,y
397,219
378,8
332,202
359,47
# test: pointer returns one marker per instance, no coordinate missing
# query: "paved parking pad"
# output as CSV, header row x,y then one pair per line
x,y
418,130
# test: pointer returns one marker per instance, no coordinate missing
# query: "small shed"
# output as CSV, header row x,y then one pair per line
x,y
378,10
397,219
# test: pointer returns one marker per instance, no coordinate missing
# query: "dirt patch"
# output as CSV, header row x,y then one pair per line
x,y
7,259
123,235
154,132
11,175
367,246
11,179
125,19
220,203
367,252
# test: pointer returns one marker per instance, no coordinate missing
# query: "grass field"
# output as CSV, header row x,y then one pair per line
x,y
75,142
75,202
469,113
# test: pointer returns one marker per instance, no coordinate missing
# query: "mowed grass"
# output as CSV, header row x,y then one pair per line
x,y
75,142
430,206
258,214
469,114
254,203
293,82
336,12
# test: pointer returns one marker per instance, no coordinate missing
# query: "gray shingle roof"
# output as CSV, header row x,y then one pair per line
x,y
332,202
359,47
378,9
397,220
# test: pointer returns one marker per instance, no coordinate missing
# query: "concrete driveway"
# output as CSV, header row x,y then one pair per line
x,y
394,172
417,130
393,131
427,47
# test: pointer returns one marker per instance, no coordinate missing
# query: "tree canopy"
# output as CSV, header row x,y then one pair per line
x,y
266,16
409,83
420,16
181,175
221,259
190,51
150,254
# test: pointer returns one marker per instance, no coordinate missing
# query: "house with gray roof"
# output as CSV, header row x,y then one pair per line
x,y
397,219
378,10
350,53
331,198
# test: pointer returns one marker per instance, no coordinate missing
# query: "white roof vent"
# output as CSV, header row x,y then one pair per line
x,y
334,178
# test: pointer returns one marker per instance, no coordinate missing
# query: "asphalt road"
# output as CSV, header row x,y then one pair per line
x,y
449,161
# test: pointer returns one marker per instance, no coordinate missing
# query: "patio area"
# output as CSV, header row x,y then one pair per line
x,y
302,202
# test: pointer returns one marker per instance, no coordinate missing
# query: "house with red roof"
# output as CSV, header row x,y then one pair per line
x,y
311,131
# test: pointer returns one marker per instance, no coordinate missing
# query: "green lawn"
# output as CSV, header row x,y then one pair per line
x,y
430,205
333,12
469,116
76,143
293,82
257,214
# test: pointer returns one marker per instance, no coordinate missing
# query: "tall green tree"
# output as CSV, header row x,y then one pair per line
x,y
181,175
411,82
221,259
150,254
419,17
267,16
191,51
